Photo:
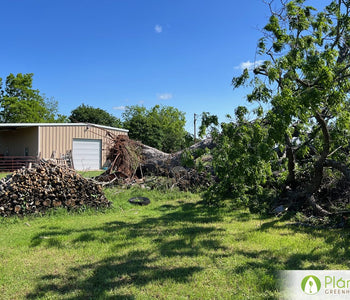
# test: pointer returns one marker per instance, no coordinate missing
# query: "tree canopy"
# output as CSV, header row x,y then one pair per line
x,y
303,113
162,127
88,114
20,103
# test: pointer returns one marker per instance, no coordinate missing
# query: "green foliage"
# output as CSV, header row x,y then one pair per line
x,y
187,159
208,121
162,127
240,80
242,160
304,88
88,114
20,103
188,140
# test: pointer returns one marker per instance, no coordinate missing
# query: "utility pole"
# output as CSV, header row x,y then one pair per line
x,y
194,123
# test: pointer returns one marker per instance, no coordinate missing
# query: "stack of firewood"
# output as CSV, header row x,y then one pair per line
x,y
46,185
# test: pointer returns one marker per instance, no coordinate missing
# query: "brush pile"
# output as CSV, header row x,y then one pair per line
x,y
47,185
125,158
131,162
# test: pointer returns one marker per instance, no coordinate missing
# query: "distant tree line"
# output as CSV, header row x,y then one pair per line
x,y
20,103
162,127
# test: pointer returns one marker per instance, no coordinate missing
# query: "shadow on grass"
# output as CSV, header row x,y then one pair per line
x,y
336,249
266,264
184,230
337,239
138,268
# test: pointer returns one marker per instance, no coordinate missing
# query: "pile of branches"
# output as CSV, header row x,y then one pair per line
x,y
46,185
131,161
192,180
182,166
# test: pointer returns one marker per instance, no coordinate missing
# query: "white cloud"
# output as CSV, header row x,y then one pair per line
x,y
119,107
165,96
249,65
158,28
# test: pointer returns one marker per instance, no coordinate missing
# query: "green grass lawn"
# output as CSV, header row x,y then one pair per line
x,y
175,248
89,174
4,174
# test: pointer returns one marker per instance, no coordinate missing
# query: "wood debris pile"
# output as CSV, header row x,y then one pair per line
x,y
131,162
47,185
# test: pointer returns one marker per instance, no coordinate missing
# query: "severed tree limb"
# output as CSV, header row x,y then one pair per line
x,y
112,166
312,201
103,183
330,154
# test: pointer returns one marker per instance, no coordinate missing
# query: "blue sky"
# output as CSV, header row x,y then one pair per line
x,y
114,53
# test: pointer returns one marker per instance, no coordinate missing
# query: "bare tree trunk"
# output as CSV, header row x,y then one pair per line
x,y
318,168
154,160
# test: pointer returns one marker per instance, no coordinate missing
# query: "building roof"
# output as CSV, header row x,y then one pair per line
x,y
22,125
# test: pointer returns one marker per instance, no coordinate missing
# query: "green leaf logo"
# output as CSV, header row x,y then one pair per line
x,y
311,285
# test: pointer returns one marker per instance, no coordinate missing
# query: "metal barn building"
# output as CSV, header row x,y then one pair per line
x,y
85,144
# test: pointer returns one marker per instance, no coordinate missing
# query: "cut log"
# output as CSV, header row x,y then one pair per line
x,y
155,161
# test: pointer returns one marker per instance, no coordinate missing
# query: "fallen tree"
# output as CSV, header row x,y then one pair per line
x,y
132,161
158,162
301,90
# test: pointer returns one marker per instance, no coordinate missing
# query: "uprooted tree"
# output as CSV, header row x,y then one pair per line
x,y
132,161
300,136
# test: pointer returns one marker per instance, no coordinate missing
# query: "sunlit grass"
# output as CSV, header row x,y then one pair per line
x,y
4,174
89,174
174,248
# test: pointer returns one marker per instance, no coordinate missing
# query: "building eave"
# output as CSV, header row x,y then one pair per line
x,y
24,125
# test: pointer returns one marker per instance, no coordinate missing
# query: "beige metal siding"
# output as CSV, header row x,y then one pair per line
x,y
57,140
14,142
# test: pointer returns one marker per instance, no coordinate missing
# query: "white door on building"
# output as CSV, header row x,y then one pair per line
x,y
86,154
